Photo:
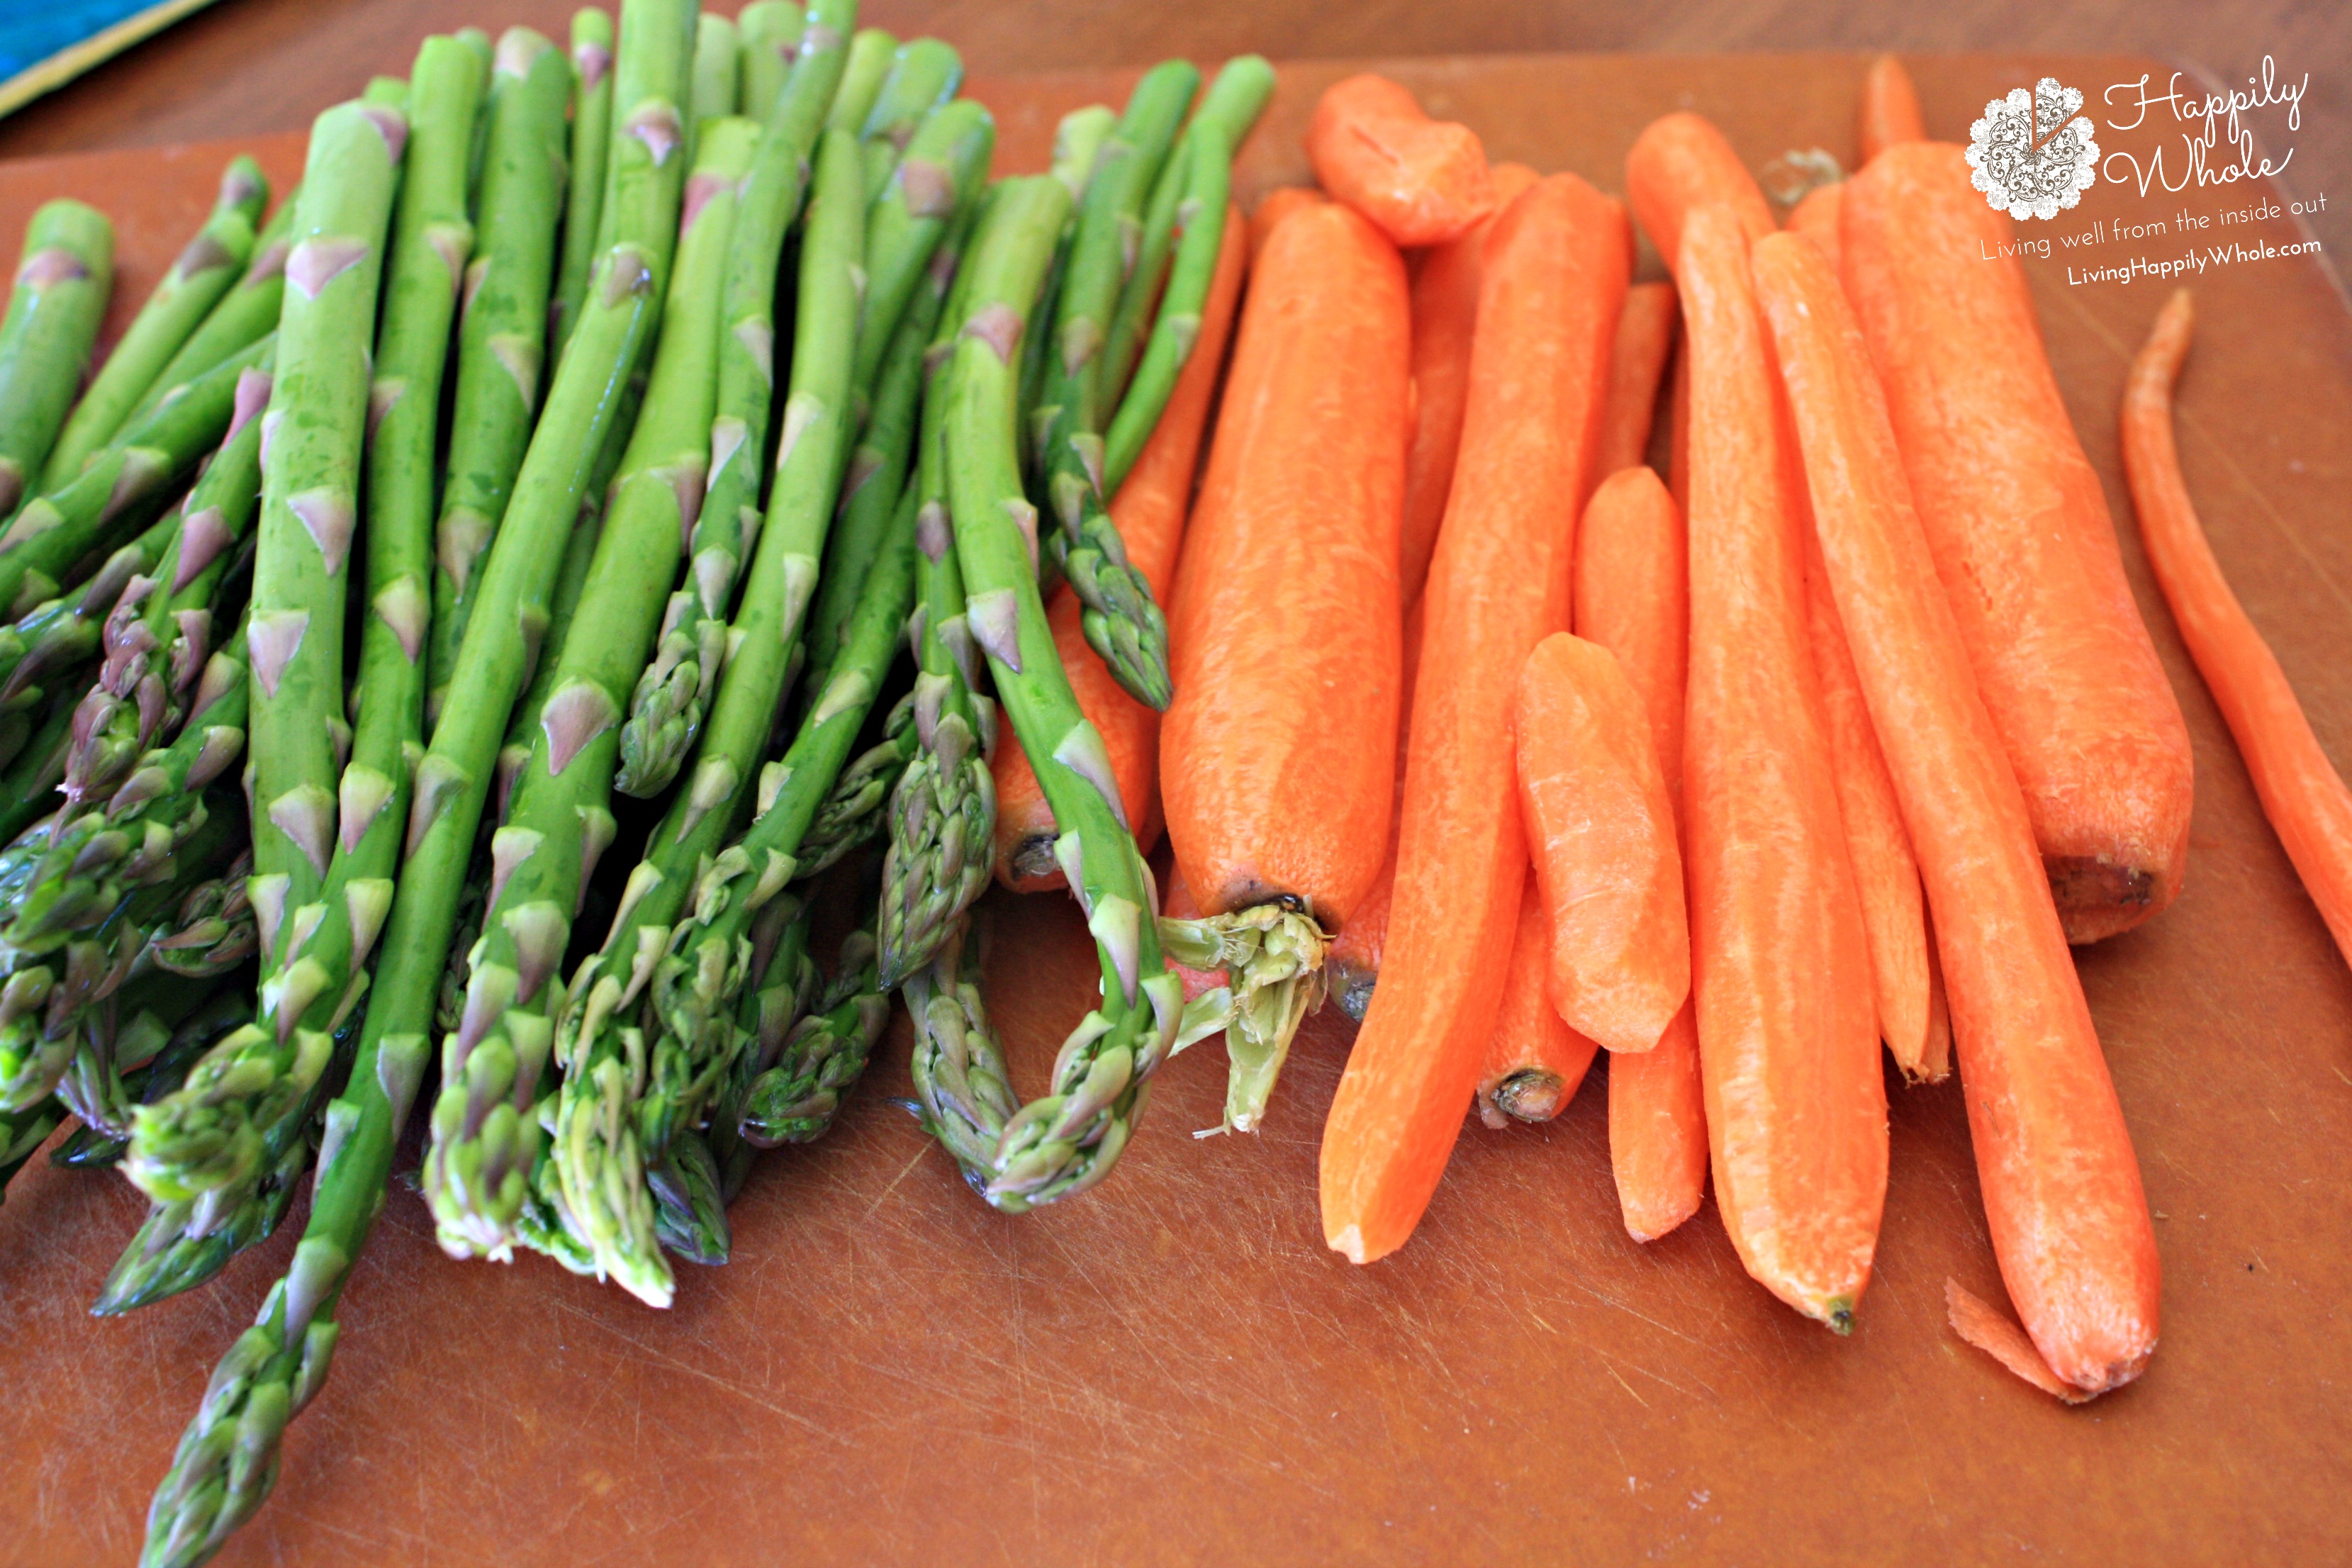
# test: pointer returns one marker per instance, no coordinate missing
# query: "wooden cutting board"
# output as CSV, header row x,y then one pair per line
x,y
1174,1369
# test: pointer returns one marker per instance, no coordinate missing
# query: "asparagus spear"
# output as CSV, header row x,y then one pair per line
x,y
55,641
963,1089
386,92
559,821
62,283
591,131
788,984
246,314
795,1101
872,53
27,788
214,930
121,489
22,1132
946,162
502,332
227,1459
851,814
923,76
181,1244
1067,1140
718,57
667,706
204,271
689,1203
598,1141
771,34
103,1094
158,638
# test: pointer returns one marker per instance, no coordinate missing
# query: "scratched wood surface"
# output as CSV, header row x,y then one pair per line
x,y
1174,1369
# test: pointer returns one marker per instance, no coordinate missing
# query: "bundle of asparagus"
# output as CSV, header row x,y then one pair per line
x,y
510,357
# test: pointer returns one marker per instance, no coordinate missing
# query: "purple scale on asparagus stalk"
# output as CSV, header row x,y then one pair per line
x,y
999,326
389,125
592,62
573,717
994,619
305,813
320,260
327,516
272,641
204,534
658,126
202,255
55,265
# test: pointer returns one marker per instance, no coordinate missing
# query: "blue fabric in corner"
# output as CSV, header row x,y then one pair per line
x,y
33,30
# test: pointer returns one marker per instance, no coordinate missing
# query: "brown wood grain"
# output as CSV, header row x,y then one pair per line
x,y
1173,1369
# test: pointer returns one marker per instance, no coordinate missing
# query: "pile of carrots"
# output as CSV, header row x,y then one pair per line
x,y
1839,738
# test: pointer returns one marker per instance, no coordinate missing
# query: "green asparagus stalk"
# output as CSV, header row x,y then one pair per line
x,y
55,643
103,1090
214,930
717,63
795,1101
771,34
227,1459
872,53
689,1205
1067,1140
667,706
923,76
1078,141
181,1244
851,815
600,1148
560,820
788,985
158,638
27,789
386,92
24,1131
205,270
245,315
592,134
62,283
571,585
963,1089
946,163
502,331
124,488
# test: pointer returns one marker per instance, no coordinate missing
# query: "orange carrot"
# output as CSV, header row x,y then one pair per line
x,y
1632,598
1890,108
1886,873
1678,433
1600,829
1149,511
1273,207
2021,538
1554,276
1816,218
2301,792
1796,1109
2062,1191
1275,757
1353,960
1422,181
1680,162
1444,314
1535,1061
1935,1061
1646,336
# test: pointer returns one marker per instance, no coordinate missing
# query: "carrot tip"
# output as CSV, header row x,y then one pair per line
x,y
1983,1326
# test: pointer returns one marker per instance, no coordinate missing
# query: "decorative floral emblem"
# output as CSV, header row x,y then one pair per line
x,y
2032,154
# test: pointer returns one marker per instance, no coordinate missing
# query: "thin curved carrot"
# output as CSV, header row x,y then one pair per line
x,y
2061,1189
1553,285
1353,959
1681,162
1275,753
1678,434
1890,108
1445,315
1796,1107
1600,831
1632,598
2021,537
1535,1061
1422,181
1275,206
1645,337
1817,218
2301,792
1149,511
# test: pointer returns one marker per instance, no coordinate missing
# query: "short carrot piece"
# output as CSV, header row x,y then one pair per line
x,y
1276,753
1422,181
1353,960
1149,509
1273,207
1645,338
1553,285
1601,830
1632,598
2021,538
1890,108
2061,1189
1796,1106
1681,162
1535,1061
1445,315
1885,872
1817,218
2301,792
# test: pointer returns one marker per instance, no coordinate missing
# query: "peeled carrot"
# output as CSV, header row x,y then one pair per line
x,y
1646,336
1680,162
1275,756
1445,315
1816,218
1632,598
1422,181
1149,511
1272,208
1886,873
1353,960
1796,1109
1600,831
2021,538
1890,108
2301,792
1553,284
1678,433
2062,1191
1535,1061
